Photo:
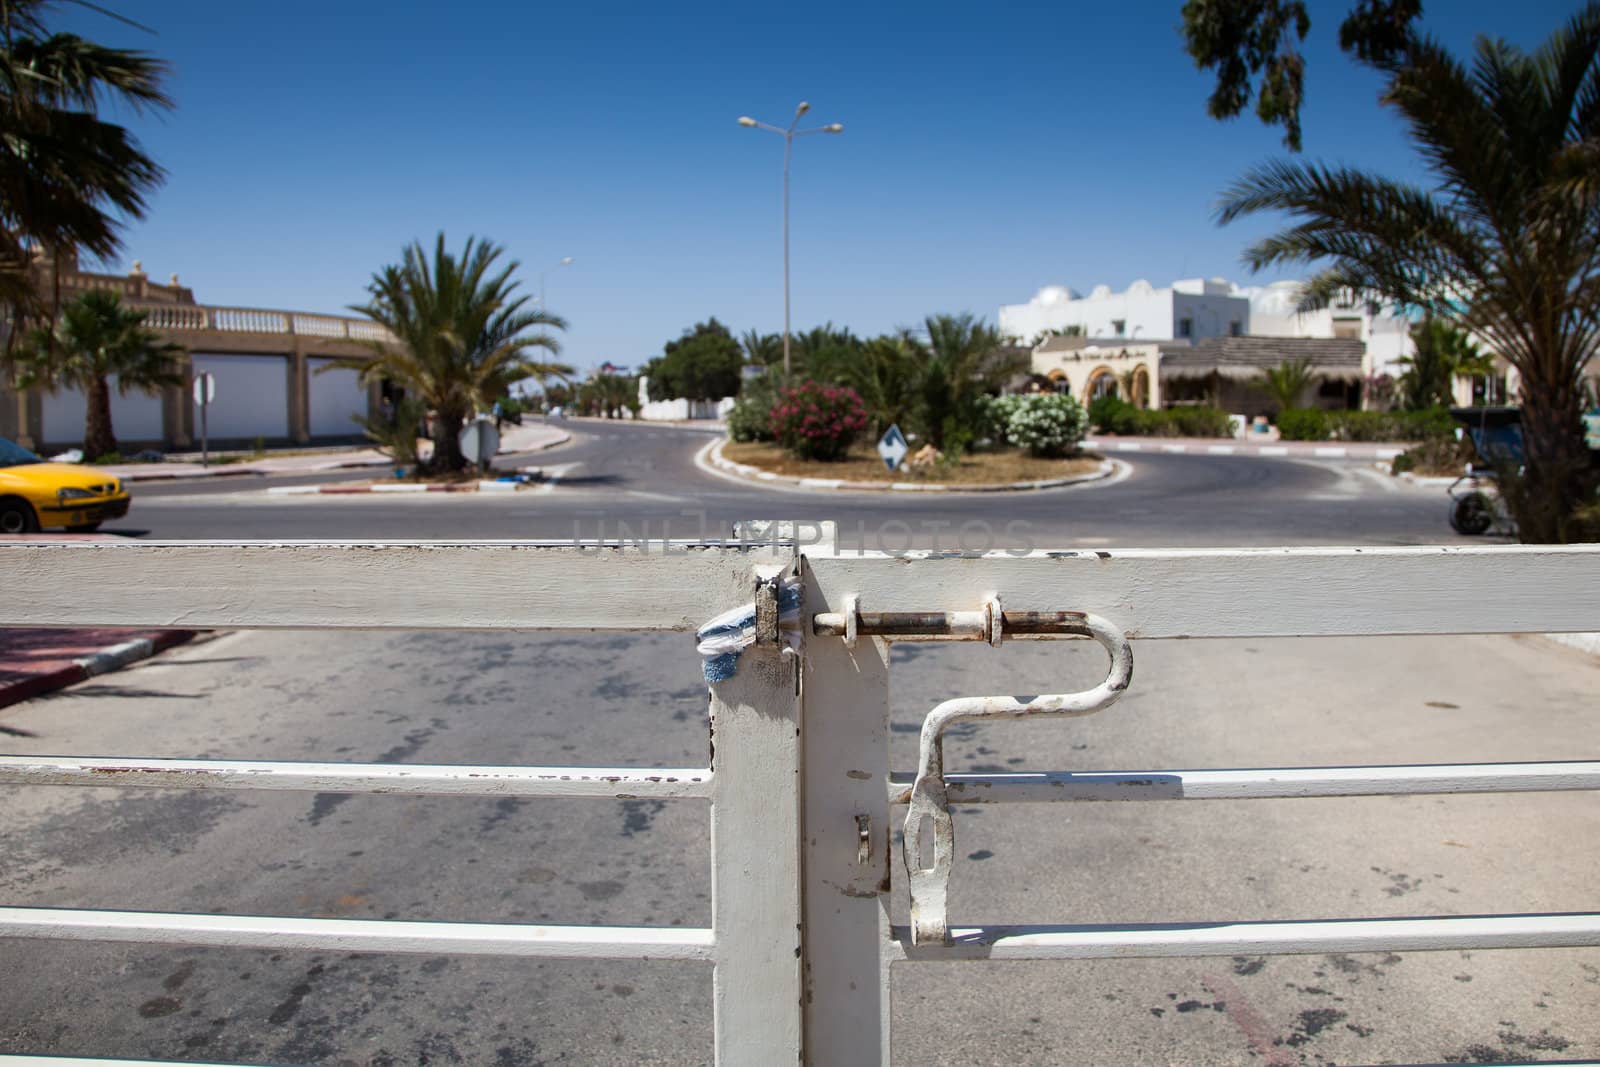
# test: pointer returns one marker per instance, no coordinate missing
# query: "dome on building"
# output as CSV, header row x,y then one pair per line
x,y
1140,287
1100,292
1054,294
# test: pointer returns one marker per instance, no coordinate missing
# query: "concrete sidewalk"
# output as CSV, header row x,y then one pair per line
x,y
34,661
528,438
1234,446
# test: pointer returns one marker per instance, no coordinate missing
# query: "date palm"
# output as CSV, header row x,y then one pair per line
x,y
1504,238
1287,383
761,349
97,339
65,174
1440,351
964,357
462,335
884,373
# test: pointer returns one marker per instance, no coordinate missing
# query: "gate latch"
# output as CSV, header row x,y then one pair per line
x,y
929,807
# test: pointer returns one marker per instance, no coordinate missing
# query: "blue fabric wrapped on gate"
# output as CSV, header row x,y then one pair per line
x,y
727,635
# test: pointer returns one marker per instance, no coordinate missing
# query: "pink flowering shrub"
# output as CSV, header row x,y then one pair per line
x,y
816,421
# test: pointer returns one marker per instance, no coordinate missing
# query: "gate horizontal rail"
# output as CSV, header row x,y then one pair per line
x,y
801,937
1155,940
1275,783
410,779
361,935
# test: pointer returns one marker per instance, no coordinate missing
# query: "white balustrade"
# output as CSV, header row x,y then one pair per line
x,y
256,320
320,326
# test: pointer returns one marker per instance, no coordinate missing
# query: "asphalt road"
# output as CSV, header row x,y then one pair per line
x,y
638,480
624,699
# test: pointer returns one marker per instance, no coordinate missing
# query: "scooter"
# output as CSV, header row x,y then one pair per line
x,y
1476,505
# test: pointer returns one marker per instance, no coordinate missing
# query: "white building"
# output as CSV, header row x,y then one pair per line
x,y
1195,309
1387,336
1191,309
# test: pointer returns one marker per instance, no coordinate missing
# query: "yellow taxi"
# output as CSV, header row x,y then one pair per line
x,y
36,495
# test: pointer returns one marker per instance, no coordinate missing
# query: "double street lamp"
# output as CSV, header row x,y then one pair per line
x,y
788,135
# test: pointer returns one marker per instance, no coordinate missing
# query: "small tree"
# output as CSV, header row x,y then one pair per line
x,y
1287,383
761,349
703,364
95,339
1441,351
395,432
963,359
462,335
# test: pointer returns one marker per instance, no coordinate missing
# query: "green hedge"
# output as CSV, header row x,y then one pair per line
x,y
1312,424
1303,424
1112,415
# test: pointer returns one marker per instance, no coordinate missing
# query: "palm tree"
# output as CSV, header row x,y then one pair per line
x,y
462,335
761,349
1505,238
63,171
1287,383
95,339
963,358
1441,350
824,352
884,373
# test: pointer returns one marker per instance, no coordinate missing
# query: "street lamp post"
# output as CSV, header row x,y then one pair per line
x,y
565,261
788,136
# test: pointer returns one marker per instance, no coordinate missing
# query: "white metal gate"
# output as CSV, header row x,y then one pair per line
x,y
803,801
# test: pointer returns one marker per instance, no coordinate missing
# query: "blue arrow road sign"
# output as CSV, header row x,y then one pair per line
x,y
892,447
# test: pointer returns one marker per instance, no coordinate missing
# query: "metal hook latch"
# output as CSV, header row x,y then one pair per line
x,y
929,807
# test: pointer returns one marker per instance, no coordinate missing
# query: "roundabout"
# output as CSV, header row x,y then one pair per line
x,y
710,458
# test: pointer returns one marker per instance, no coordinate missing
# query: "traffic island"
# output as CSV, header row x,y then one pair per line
x,y
1009,470
474,486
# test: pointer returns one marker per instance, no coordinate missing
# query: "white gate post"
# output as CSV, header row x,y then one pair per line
x,y
845,696
755,860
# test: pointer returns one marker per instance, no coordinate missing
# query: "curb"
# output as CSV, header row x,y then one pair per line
x,y
1583,642
103,662
1153,444
711,460
398,487
235,470
1428,480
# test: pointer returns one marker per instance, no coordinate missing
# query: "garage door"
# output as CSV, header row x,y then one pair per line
x,y
252,397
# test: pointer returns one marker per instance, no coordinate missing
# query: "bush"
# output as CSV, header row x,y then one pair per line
x,y
1303,424
751,417
1311,424
815,421
1434,457
395,434
993,416
1046,424
1188,422
1110,414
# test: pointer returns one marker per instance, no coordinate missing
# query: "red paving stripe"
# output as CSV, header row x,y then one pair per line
x,y
31,685
40,661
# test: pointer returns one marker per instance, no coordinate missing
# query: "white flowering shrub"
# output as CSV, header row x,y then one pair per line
x,y
1046,424
994,417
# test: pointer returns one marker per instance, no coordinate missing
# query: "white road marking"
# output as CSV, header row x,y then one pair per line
x,y
1387,482
553,475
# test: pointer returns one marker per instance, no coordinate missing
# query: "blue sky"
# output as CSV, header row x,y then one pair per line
x,y
988,150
